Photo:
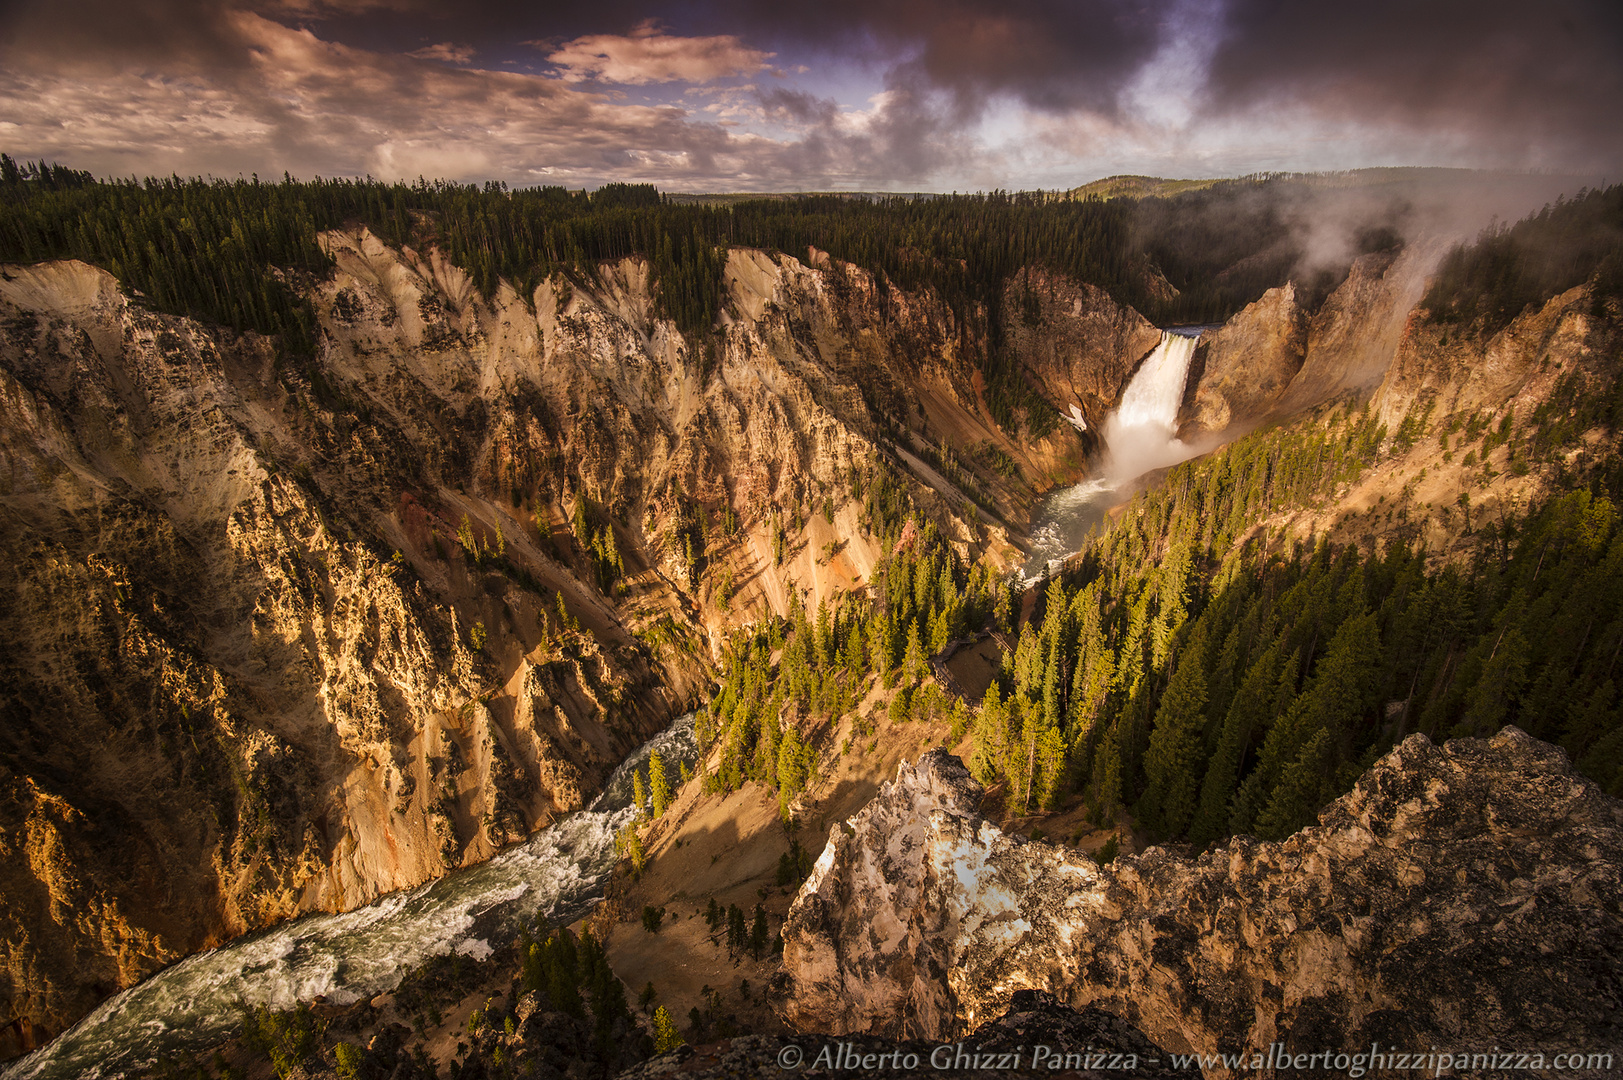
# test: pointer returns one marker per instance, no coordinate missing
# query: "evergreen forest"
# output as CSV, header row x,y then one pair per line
x,y
1210,678
237,252
1202,674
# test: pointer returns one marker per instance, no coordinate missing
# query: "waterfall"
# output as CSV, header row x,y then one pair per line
x,y
1142,433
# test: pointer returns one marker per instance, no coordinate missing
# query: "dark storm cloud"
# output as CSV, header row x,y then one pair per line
x,y
1051,54
1523,84
1531,84
82,34
573,92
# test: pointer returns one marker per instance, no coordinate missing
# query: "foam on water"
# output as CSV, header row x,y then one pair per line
x,y
557,874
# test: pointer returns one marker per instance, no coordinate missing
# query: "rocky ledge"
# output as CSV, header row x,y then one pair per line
x,y
1036,1034
1462,897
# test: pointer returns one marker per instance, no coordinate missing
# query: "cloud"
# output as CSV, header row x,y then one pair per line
x,y
648,55
1052,55
267,97
730,94
446,52
1527,85
1501,83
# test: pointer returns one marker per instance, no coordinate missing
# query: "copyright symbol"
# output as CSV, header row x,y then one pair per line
x,y
790,1057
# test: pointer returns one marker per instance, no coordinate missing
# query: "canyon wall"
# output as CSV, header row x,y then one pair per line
x,y
1274,359
1460,897
284,635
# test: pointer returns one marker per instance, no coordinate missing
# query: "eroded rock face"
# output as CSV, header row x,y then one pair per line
x,y
251,668
1245,365
1436,372
1077,345
1464,896
1354,335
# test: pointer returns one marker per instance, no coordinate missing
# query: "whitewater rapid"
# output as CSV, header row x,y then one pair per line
x,y
1140,436
556,875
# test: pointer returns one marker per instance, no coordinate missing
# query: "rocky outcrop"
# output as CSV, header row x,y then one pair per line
x,y
1460,897
1441,370
1275,359
1076,345
1036,1035
1355,333
287,633
1241,368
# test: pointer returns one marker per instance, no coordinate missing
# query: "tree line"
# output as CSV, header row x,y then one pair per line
x,y
240,253
781,680
1485,284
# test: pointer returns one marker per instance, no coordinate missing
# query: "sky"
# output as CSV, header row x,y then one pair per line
x,y
799,95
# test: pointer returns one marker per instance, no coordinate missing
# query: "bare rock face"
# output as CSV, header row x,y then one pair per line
x,y
1245,365
286,634
1440,370
1355,334
1460,897
1077,345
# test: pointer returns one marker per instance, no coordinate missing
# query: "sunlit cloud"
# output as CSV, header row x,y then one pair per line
x,y
648,55
446,52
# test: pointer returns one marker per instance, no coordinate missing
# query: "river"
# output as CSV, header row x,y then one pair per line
x,y
557,874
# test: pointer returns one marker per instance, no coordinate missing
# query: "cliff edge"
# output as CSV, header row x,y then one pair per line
x,y
1461,897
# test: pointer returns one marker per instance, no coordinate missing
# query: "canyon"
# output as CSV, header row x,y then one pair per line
x,y
286,638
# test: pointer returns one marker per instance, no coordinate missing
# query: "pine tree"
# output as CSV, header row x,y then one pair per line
x,y
659,790
1053,675
1020,760
1028,665
579,524
666,1037
1091,689
562,974
1171,764
1300,791
758,933
1105,776
1050,767
913,664
639,793
882,644
1497,690
791,763
991,730
1254,790
1247,715
629,844
1003,609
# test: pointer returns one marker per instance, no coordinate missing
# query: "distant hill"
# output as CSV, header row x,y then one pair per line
x,y
732,198
1142,187
1138,187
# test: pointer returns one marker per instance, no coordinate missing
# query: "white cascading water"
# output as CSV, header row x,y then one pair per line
x,y
556,875
1141,435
